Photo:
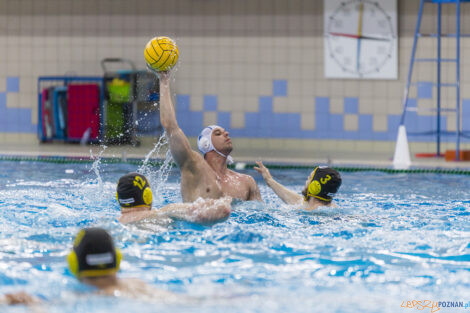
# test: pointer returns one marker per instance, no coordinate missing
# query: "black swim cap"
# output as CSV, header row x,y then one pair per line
x,y
325,183
133,189
93,254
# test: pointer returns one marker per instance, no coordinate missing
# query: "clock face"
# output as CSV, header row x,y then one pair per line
x,y
360,39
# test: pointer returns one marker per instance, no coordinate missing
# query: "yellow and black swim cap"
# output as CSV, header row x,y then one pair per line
x,y
93,254
133,189
325,182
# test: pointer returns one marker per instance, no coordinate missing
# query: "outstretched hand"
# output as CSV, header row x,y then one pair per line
x,y
163,76
263,170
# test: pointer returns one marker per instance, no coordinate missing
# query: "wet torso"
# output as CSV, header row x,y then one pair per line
x,y
202,181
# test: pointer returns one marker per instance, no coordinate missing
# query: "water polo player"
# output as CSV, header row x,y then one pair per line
x,y
204,176
135,198
321,185
95,261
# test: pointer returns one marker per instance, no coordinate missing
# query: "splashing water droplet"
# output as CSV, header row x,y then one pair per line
x,y
157,178
95,167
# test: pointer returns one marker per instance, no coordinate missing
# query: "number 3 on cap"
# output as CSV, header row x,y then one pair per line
x,y
325,179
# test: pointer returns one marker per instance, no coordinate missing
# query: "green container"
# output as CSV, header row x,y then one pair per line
x,y
119,91
114,120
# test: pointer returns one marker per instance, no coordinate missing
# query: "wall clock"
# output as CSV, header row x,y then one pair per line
x,y
360,39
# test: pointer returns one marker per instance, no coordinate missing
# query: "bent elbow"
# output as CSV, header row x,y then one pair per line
x,y
219,215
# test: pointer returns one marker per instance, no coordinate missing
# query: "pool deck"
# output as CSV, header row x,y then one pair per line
x,y
273,156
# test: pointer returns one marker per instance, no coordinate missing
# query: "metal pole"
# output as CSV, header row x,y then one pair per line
x,y
410,71
457,149
438,139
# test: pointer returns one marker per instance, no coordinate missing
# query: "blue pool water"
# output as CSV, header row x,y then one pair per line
x,y
392,238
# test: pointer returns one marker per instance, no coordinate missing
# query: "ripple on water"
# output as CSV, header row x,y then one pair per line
x,y
391,238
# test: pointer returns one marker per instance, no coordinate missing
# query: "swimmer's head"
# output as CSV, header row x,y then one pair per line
x,y
93,254
322,183
215,138
133,190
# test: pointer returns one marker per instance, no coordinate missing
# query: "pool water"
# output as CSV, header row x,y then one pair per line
x,y
392,238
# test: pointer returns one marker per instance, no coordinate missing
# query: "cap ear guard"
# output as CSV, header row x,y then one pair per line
x,y
118,259
314,188
147,196
204,144
72,260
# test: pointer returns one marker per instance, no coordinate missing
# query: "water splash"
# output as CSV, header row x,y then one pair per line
x,y
95,167
157,178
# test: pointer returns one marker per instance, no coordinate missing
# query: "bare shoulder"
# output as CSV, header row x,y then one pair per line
x,y
248,179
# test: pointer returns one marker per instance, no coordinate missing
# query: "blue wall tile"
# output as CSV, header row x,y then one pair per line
x,y
224,119
322,105
14,120
393,121
351,105
210,103
426,123
466,110
425,90
13,84
412,103
365,123
411,121
321,122
251,121
336,123
182,103
3,101
280,88
265,104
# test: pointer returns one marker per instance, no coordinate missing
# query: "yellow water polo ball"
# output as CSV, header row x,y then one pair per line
x,y
161,53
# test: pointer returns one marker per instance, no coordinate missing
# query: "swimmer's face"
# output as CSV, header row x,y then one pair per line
x,y
221,140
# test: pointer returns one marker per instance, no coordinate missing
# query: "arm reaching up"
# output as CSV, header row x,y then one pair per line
x,y
287,195
179,144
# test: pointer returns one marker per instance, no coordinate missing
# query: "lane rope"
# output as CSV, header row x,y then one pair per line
x,y
159,162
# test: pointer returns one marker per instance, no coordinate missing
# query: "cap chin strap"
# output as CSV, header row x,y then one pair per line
x,y
323,199
228,158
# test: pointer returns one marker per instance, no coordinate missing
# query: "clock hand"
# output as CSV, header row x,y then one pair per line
x,y
359,37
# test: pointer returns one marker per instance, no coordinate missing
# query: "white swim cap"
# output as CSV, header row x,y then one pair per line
x,y
204,142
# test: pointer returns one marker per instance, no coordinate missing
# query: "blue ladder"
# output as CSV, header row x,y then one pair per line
x,y
438,60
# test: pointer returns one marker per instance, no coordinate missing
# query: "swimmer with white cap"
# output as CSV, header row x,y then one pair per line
x,y
206,175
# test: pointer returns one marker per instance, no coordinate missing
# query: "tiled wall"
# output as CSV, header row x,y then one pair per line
x,y
253,66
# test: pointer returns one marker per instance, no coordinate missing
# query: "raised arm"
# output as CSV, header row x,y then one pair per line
x,y
287,195
202,211
179,144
